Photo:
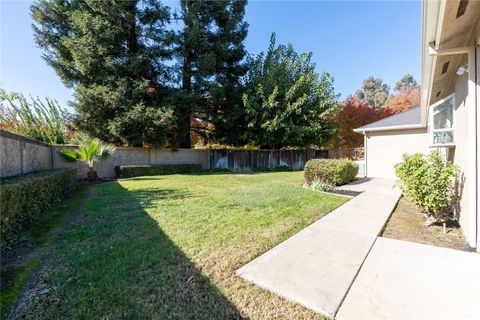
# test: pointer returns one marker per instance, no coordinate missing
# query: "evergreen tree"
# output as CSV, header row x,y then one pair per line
x,y
407,83
286,102
210,60
374,92
113,54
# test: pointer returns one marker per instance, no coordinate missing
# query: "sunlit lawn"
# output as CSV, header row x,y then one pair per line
x,y
168,247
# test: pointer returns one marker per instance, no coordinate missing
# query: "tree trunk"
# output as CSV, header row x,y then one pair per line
x,y
132,43
186,76
92,175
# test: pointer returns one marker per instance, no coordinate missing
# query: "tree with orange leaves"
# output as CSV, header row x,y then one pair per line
x,y
404,100
353,114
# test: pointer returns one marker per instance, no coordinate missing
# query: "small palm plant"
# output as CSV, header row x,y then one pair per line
x,y
89,154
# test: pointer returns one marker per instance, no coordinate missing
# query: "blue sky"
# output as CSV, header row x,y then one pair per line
x,y
350,39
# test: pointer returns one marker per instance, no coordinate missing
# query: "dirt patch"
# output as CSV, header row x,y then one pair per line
x,y
407,223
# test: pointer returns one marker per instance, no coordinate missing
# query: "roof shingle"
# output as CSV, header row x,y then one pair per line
x,y
407,118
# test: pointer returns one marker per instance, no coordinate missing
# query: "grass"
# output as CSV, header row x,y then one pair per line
x,y
13,280
168,247
19,262
407,223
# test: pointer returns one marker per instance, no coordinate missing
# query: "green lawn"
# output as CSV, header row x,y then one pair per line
x,y
168,247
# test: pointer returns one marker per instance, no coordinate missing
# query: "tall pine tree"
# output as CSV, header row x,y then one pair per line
x,y
210,59
113,54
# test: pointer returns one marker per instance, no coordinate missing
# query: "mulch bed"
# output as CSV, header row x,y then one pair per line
x,y
408,223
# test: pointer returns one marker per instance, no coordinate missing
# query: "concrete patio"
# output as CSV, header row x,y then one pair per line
x,y
339,268
406,280
317,266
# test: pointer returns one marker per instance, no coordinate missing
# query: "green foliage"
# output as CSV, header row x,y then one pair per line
x,y
89,154
210,63
287,103
262,169
157,169
25,198
321,185
407,83
429,182
282,168
334,172
220,170
138,79
41,120
374,92
113,53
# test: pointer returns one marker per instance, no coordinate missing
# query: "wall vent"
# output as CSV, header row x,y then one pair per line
x,y
462,6
445,67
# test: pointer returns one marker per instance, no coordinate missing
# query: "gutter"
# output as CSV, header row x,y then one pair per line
x,y
390,128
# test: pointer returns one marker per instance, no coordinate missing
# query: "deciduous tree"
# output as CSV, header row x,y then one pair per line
x,y
287,103
354,114
404,100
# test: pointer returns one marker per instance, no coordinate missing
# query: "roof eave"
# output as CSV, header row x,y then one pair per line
x,y
432,21
390,128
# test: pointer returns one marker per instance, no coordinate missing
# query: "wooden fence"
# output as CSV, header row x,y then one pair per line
x,y
250,160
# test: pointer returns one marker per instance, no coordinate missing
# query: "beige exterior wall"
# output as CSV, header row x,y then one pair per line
x,y
478,132
385,149
462,140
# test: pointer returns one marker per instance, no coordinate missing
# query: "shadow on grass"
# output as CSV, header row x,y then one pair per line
x,y
116,262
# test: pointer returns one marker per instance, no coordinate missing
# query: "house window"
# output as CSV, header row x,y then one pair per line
x,y
442,122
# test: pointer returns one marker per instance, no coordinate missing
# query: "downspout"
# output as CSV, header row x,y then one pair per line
x,y
473,149
365,152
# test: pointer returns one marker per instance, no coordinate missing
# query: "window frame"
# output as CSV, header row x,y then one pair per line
x,y
432,130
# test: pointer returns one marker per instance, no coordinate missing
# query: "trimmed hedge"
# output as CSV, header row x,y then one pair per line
x,y
331,171
157,169
24,198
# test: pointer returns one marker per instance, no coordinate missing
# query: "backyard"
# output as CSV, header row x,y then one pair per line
x,y
169,246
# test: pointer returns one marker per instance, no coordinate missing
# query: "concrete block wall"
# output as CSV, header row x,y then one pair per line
x,y
20,155
135,156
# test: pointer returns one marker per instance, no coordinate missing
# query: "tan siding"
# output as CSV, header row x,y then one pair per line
x,y
461,143
386,148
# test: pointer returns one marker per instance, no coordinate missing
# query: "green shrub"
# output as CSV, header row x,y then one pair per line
x,y
282,168
429,182
262,169
24,198
157,169
331,171
219,170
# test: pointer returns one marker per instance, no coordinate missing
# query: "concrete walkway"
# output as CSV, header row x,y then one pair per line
x,y
406,280
317,266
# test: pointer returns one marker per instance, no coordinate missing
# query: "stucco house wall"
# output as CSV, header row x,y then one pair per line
x,y
462,140
384,149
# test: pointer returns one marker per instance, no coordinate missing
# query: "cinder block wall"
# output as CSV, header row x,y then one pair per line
x,y
20,155
135,156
